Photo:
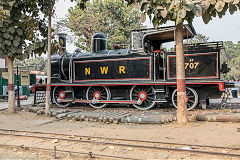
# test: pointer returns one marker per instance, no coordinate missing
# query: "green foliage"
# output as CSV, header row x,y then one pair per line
x,y
111,17
20,23
5,7
199,38
37,64
46,6
180,10
232,58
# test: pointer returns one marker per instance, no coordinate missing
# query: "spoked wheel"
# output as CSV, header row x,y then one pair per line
x,y
191,98
59,93
146,94
98,93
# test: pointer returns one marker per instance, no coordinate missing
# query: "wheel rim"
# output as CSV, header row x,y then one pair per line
x,y
146,94
191,98
98,93
57,95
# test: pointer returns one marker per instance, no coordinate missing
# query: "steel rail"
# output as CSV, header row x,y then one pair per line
x,y
122,139
68,151
130,145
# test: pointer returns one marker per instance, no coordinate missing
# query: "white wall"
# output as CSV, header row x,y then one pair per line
x,y
2,63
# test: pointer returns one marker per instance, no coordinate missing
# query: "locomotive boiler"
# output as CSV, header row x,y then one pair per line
x,y
141,74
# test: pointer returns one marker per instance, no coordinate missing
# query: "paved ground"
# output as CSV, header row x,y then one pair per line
x,y
203,133
76,121
4,105
154,116
231,100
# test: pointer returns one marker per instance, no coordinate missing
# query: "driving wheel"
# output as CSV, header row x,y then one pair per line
x,y
191,98
98,93
59,93
146,94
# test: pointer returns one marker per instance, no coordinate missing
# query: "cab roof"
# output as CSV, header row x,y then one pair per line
x,y
167,33
157,36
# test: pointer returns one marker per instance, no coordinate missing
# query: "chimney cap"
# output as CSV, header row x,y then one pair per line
x,y
99,36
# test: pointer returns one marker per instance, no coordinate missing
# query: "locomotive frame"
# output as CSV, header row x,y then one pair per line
x,y
138,75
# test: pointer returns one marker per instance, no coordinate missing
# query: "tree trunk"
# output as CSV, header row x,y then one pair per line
x,y
48,89
11,93
180,70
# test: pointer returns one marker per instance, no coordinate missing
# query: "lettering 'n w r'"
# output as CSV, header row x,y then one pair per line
x,y
87,71
104,70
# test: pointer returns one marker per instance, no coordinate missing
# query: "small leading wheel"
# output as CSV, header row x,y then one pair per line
x,y
191,98
146,94
98,93
59,93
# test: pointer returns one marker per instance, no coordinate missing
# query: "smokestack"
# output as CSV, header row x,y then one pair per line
x,y
62,37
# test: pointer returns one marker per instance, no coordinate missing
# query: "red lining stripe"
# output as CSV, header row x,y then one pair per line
x,y
149,78
131,84
220,84
102,101
196,54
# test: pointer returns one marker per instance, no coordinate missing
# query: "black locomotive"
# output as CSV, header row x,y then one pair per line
x,y
142,74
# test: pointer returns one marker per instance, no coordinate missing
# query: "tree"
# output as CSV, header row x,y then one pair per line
x,y
179,11
111,17
21,22
232,58
198,38
37,64
47,8
3,12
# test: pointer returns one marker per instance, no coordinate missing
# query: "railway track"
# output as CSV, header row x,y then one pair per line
x,y
89,154
118,142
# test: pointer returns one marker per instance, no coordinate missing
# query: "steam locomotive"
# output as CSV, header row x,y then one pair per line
x,y
142,74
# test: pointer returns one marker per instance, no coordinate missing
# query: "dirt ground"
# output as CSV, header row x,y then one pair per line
x,y
202,133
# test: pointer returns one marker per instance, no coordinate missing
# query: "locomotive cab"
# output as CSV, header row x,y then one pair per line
x,y
149,42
